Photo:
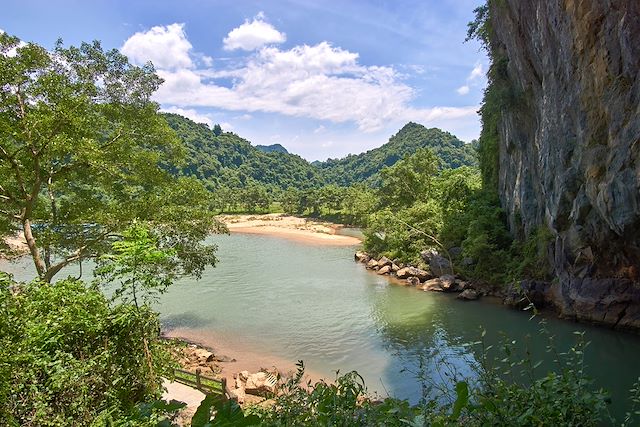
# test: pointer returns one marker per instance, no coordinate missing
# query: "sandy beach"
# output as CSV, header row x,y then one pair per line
x,y
289,227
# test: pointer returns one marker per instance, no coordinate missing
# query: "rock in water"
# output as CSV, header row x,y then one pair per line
x,y
362,257
433,285
372,264
448,283
468,295
413,281
405,272
385,270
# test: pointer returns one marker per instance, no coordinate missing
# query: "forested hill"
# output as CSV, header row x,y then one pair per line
x,y
225,159
452,152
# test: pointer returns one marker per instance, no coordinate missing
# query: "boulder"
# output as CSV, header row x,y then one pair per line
x,y
395,268
413,281
405,272
261,383
468,295
384,261
448,283
438,265
224,359
462,285
203,355
238,394
362,257
433,285
456,251
372,264
385,270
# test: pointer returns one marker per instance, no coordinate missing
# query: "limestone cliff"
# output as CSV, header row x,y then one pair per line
x,y
569,145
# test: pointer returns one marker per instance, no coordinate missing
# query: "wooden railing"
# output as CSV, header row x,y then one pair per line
x,y
204,383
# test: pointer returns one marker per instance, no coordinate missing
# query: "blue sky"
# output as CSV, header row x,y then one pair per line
x,y
323,78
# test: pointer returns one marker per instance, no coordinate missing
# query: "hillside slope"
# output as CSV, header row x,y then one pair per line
x,y
231,161
364,167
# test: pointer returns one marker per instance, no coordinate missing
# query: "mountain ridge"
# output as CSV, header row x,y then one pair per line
x,y
230,160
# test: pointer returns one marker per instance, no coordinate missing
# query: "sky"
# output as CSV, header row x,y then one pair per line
x,y
322,78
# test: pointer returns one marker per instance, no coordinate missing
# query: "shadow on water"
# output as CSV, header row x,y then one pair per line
x,y
183,320
429,337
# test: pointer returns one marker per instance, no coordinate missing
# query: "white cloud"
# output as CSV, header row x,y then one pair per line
x,y
226,126
319,129
253,35
207,60
463,90
319,82
476,73
166,47
190,114
475,78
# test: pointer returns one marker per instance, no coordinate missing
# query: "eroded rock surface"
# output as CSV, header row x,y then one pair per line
x,y
569,144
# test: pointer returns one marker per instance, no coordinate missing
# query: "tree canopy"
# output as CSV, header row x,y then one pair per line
x,y
84,152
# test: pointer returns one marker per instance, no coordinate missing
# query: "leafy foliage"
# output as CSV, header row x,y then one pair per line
x,y
141,268
69,358
229,161
510,391
81,153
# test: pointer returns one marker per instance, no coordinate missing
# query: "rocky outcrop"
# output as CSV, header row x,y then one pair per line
x,y
438,265
569,145
261,383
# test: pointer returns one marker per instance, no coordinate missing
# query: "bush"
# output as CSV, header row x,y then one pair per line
x,y
68,357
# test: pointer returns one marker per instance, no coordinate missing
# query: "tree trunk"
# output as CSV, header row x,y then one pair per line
x,y
41,268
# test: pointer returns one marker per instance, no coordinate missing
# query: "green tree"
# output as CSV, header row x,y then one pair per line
x,y
409,179
83,152
141,268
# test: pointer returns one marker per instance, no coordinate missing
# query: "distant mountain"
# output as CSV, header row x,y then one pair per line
x,y
273,148
229,160
364,167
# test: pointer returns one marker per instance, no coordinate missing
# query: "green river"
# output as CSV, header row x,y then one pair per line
x,y
297,301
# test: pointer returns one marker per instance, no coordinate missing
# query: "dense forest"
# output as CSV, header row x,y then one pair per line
x,y
226,159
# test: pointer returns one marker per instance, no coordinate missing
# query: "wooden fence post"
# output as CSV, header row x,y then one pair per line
x,y
198,379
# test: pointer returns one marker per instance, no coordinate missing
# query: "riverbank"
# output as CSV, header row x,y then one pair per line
x,y
17,246
289,227
226,357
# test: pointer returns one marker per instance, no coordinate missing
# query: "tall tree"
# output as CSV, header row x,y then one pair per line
x,y
84,152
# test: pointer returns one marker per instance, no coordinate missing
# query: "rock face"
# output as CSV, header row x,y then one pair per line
x,y
569,145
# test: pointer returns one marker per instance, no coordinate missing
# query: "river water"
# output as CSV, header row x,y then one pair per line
x,y
298,301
